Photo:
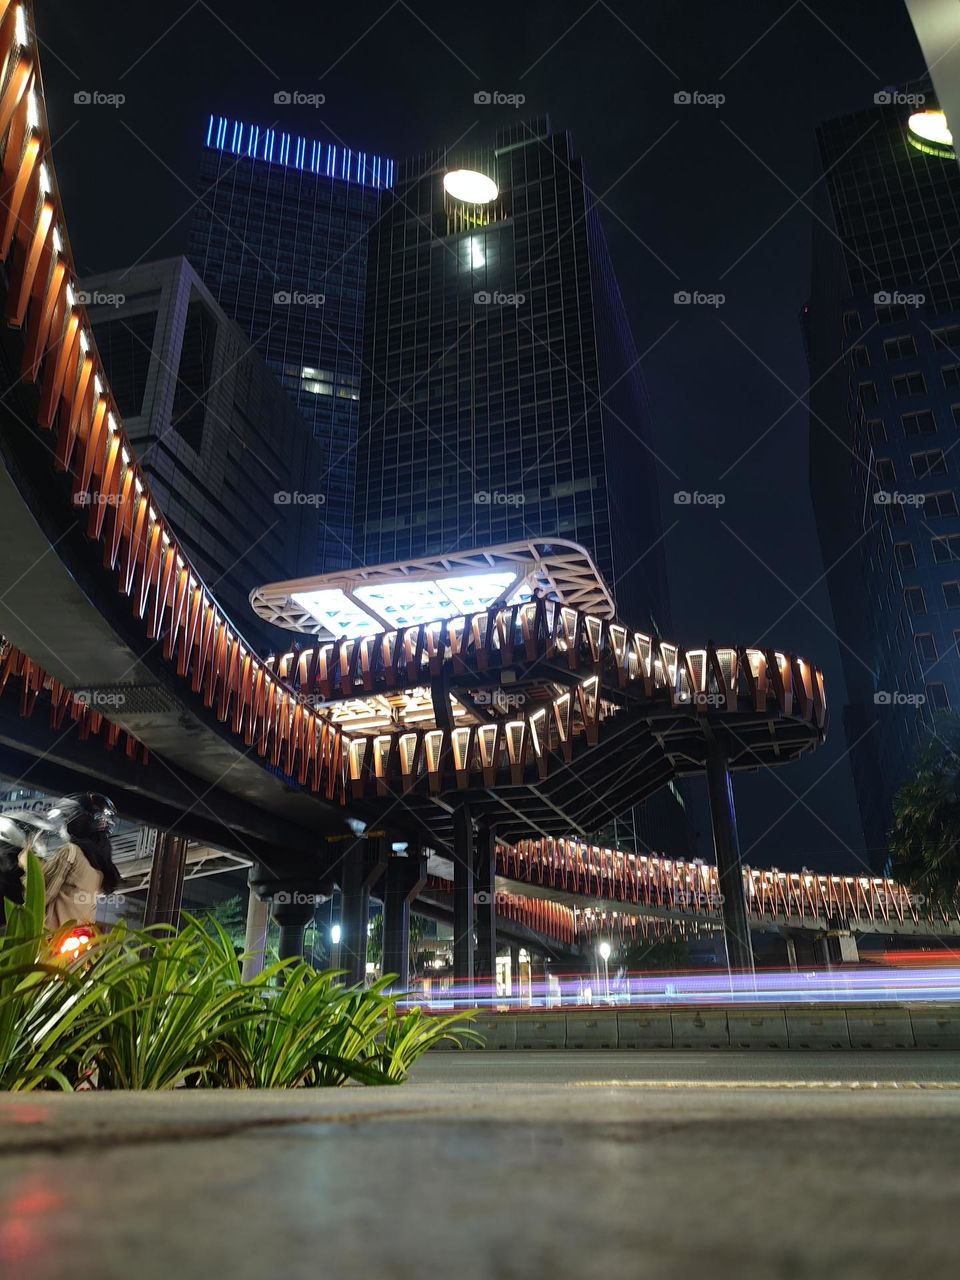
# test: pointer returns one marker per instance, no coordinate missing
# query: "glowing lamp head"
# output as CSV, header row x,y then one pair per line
x,y
470,186
604,949
928,131
336,933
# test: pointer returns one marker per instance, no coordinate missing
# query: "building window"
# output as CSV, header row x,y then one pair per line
x,y
955,409
937,697
947,339
951,375
946,549
868,395
891,313
931,463
951,595
940,504
909,384
852,322
886,472
877,431
926,647
914,600
859,357
899,348
920,423
905,555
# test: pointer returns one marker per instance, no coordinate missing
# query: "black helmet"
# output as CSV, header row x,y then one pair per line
x,y
84,813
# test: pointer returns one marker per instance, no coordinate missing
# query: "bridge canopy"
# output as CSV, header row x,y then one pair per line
x,y
350,603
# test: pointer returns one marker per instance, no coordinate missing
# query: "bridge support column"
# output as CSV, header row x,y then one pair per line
x,y
726,843
362,868
464,888
165,891
292,912
255,940
405,877
791,949
485,907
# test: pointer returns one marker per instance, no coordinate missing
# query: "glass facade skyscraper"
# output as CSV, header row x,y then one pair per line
x,y
500,391
883,338
279,238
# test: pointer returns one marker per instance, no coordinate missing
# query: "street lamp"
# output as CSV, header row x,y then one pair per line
x,y
604,950
335,934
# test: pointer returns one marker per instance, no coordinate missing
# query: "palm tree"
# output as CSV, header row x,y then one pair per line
x,y
925,837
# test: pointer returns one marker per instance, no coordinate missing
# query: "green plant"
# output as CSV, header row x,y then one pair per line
x,y
156,1009
925,837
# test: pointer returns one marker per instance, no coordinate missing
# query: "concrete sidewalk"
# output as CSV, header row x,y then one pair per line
x,y
573,1176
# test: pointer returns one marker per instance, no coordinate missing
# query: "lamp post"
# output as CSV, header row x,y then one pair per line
x,y
604,950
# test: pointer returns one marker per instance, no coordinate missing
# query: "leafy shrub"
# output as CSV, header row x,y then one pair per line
x,y
156,1009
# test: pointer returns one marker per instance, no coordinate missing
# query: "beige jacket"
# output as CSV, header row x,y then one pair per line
x,y
73,886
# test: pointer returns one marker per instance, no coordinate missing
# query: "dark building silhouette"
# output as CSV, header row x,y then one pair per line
x,y
883,339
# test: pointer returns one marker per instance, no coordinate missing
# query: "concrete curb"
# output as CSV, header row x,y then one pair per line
x,y
760,1027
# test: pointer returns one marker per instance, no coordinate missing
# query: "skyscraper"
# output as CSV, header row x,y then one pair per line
x,y
501,395
221,443
883,339
279,239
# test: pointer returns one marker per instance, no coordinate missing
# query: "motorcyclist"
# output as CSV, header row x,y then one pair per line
x,y
76,855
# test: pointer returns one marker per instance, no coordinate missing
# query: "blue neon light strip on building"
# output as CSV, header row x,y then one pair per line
x,y
239,139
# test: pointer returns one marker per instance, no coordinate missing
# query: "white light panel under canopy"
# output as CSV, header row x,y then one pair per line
x,y
370,599
337,613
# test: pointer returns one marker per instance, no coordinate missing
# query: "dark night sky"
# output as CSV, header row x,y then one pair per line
x,y
697,197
